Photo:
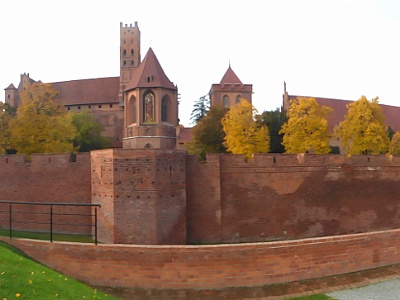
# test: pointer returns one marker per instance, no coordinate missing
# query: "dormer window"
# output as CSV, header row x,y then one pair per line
x,y
149,79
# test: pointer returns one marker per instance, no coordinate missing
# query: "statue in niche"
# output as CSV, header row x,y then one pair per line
x,y
149,108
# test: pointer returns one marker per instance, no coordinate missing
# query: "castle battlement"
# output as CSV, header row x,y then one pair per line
x,y
287,160
41,159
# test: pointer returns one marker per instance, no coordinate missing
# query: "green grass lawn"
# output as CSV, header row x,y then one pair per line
x,y
23,278
46,236
313,297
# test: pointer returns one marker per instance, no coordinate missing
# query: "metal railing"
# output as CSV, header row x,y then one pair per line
x,y
51,220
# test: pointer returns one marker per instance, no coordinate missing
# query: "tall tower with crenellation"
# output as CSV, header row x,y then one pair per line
x,y
129,55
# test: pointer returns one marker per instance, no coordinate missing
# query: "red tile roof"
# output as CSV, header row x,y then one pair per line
x,y
88,91
392,113
230,77
150,74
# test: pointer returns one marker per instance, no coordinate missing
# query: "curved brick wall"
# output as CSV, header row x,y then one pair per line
x,y
219,266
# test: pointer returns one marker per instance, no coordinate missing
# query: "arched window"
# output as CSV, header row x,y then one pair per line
x,y
134,110
164,109
225,101
132,63
124,52
132,52
238,98
148,105
124,62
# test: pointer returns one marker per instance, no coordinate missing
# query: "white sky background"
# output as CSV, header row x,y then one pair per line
x,y
333,49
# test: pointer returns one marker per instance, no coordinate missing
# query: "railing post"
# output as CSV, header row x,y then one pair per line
x,y
95,225
10,221
51,223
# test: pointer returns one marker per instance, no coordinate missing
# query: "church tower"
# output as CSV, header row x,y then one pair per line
x,y
129,55
151,107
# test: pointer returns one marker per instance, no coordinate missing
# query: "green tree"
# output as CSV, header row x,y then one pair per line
x,y
88,133
41,126
200,109
7,113
208,135
394,146
274,119
363,130
243,135
306,129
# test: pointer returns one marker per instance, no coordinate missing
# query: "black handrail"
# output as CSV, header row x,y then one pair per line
x,y
51,204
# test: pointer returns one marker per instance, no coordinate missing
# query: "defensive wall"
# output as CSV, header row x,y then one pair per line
x,y
279,197
52,178
167,197
215,266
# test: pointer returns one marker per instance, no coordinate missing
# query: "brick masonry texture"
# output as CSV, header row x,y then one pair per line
x,y
167,197
45,178
279,197
216,266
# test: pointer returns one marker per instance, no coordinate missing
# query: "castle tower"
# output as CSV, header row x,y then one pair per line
x,y
11,95
230,90
129,55
151,107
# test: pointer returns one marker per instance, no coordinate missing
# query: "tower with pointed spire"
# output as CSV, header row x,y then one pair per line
x,y
151,107
230,90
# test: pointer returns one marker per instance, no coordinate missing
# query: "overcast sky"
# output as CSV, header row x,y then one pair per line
x,y
334,49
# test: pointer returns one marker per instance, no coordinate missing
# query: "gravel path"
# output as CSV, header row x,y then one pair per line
x,y
386,290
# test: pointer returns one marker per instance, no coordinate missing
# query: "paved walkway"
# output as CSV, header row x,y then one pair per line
x,y
387,290
336,286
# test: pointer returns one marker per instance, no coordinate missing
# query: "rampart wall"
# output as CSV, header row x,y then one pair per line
x,y
278,196
45,178
219,266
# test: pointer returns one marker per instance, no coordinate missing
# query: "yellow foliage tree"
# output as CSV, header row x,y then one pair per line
x,y
394,146
41,126
7,112
306,129
242,134
363,130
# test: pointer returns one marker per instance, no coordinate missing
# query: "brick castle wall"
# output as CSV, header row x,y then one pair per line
x,y
142,194
46,178
275,197
219,266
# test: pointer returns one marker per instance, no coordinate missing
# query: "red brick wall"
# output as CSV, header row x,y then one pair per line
x,y
143,196
275,197
46,178
219,266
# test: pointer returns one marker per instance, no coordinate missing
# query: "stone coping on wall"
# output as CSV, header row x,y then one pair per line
x,y
215,266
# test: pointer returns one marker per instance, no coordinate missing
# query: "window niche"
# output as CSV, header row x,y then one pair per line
x,y
149,108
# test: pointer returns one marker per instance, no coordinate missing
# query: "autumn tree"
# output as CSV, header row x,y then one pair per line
x,y
363,130
306,129
243,135
7,113
207,134
41,126
274,120
88,135
394,146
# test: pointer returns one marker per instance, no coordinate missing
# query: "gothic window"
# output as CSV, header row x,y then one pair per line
x,y
238,98
132,63
149,108
124,52
164,110
124,63
225,101
132,52
134,110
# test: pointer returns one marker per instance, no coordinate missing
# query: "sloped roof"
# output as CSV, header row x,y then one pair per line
x,y
149,74
392,113
10,87
230,77
88,91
